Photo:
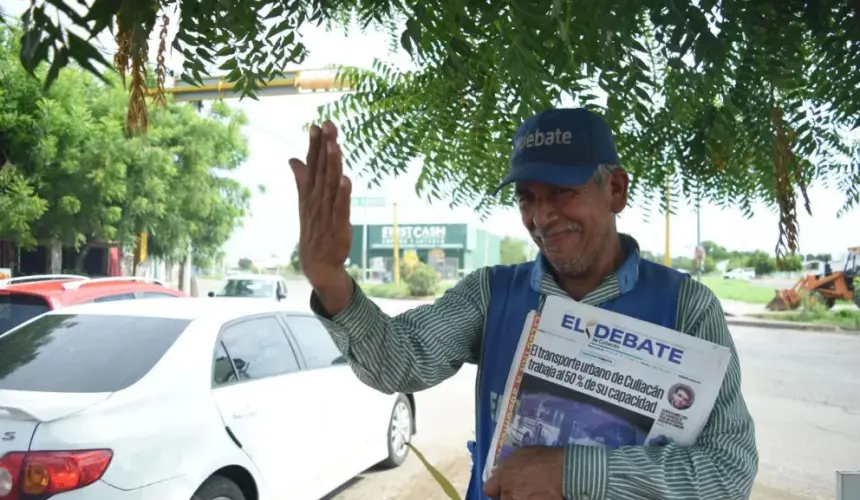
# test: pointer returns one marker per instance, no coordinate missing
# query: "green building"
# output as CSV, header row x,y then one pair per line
x,y
453,249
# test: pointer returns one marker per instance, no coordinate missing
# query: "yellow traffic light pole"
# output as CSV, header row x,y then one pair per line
x,y
288,83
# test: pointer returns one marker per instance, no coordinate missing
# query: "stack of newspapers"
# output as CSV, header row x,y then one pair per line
x,y
587,376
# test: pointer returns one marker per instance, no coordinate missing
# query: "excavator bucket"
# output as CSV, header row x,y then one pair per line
x,y
784,300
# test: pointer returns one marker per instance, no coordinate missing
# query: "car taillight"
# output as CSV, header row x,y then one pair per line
x,y
38,475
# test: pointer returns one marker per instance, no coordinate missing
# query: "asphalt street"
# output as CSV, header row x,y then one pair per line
x,y
801,388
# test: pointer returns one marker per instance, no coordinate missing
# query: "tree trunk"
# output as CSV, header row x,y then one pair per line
x,y
181,284
79,260
56,257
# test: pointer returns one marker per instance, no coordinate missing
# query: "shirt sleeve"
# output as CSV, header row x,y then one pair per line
x,y
414,350
721,465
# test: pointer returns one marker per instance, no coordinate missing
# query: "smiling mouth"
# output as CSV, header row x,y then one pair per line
x,y
554,239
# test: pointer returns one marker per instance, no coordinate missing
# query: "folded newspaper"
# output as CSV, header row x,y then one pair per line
x,y
587,376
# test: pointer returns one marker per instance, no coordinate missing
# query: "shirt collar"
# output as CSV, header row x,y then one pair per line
x,y
627,273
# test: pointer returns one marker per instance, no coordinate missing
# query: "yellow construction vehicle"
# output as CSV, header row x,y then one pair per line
x,y
825,288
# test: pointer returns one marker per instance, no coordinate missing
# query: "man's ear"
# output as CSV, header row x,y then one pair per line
x,y
619,183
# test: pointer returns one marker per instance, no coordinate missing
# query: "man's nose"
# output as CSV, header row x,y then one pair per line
x,y
545,213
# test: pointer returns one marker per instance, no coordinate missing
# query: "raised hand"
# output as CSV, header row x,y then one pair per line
x,y
325,231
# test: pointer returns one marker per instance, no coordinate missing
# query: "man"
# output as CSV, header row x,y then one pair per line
x,y
681,398
569,188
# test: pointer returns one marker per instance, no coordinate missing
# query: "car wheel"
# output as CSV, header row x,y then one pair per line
x,y
218,488
399,432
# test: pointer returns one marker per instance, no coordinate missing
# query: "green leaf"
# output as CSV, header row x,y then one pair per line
x,y
480,68
440,478
406,42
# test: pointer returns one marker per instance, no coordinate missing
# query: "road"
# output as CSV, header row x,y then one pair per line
x,y
801,388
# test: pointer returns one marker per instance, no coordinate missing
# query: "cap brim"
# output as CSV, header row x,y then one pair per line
x,y
550,173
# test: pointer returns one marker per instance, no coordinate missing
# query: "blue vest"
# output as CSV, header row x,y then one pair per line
x,y
649,292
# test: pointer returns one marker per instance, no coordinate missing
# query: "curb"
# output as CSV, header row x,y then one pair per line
x,y
786,325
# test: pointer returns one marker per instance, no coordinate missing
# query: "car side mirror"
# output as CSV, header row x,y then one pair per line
x,y
282,296
211,294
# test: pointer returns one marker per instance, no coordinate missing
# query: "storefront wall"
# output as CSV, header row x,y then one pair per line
x,y
450,248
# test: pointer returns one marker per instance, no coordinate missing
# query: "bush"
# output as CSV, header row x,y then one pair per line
x,y
763,263
355,273
416,281
857,291
421,279
385,290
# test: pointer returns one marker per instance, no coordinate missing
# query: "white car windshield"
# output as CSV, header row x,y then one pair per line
x,y
258,289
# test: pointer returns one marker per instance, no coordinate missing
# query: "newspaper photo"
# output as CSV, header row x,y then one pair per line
x,y
587,376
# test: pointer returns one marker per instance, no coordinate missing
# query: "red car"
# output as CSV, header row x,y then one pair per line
x,y
26,297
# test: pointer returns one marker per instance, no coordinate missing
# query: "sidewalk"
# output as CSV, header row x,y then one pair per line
x,y
737,308
744,314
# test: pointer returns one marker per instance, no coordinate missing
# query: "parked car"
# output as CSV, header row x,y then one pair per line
x,y
739,273
254,286
26,297
178,399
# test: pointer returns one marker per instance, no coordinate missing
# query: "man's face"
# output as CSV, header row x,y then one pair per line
x,y
681,399
572,225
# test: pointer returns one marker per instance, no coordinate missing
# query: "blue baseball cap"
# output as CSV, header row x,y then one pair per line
x,y
562,147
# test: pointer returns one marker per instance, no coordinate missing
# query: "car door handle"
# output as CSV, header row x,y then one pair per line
x,y
244,412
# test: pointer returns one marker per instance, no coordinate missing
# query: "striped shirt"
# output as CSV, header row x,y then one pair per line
x,y
424,346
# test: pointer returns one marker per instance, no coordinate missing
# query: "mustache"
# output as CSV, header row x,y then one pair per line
x,y
555,229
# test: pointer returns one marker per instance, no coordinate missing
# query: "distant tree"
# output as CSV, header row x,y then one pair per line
x,y
763,263
20,206
824,257
685,263
792,263
653,257
513,251
716,252
294,259
246,264
72,175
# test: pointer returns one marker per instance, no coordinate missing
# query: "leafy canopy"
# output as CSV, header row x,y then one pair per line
x,y
728,101
71,173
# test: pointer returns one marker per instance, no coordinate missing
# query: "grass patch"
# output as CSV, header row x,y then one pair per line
x,y
739,290
390,291
843,318
744,291
385,290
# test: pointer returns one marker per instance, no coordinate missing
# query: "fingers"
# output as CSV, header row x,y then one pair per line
x,y
314,145
300,171
317,170
333,173
334,166
493,486
342,201
320,177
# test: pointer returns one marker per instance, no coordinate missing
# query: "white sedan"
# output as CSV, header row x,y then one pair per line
x,y
187,398
253,286
739,273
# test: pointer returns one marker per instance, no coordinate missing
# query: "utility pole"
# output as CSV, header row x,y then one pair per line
x,y
667,259
396,245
